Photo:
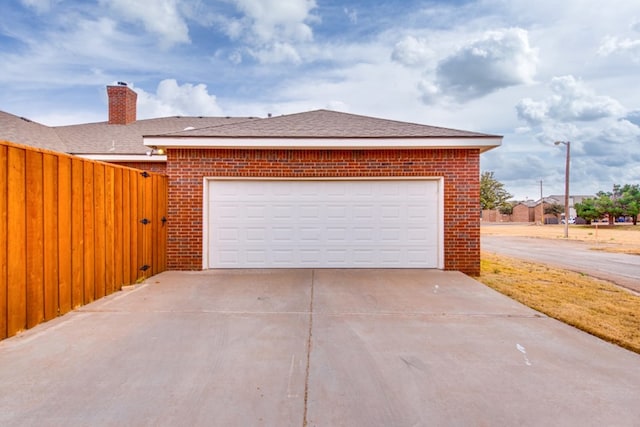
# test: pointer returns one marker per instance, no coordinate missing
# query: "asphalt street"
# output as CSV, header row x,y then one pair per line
x,y
622,269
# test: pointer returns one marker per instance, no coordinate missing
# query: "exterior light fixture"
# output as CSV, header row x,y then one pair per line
x,y
155,151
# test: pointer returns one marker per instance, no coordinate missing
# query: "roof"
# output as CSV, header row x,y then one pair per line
x,y
324,129
105,138
312,129
327,124
24,131
101,137
527,203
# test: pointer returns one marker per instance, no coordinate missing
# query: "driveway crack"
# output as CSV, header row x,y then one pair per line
x,y
309,336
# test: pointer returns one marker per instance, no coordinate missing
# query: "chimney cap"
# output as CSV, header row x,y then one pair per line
x,y
122,83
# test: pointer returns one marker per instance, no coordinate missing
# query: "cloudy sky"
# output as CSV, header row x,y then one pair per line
x,y
535,72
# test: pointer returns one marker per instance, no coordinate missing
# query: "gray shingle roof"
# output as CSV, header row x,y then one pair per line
x,y
104,138
24,131
101,137
326,124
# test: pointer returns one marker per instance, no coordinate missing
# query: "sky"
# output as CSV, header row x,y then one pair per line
x,y
534,72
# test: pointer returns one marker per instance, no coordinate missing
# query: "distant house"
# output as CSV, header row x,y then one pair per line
x,y
524,212
318,189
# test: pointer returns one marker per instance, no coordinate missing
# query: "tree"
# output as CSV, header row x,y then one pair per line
x,y
587,210
492,192
629,199
507,208
607,204
554,209
624,200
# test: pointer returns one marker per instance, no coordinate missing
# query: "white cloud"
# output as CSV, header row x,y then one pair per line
x,y
162,17
276,20
235,57
272,29
276,53
172,99
352,14
498,60
412,51
40,6
532,111
571,100
614,45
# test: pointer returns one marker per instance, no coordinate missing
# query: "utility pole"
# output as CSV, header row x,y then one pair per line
x,y
567,144
541,205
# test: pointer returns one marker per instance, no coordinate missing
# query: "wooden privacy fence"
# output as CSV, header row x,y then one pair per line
x,y
72,231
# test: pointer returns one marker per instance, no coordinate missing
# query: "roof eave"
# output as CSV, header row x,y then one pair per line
x,y
124,157
484,143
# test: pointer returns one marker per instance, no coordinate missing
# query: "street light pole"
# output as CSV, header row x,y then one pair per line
x,y
566,187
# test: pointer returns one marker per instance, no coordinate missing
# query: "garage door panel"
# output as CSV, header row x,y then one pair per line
x,y
255,234
336,212
362,211
364,234
228,234
309,212
282,234
391,235
336,234
336,257
282,257
419,213
323,224
311,234
224,212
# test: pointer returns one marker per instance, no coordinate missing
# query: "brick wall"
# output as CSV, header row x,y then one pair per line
x,y
186,169
523,213
494,215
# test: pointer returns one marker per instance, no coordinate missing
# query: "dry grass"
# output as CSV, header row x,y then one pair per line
x,y
617,250
595,306
615,234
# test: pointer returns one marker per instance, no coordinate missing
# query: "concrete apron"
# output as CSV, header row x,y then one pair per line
x,y
313,347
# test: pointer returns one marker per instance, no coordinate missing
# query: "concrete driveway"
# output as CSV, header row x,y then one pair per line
x,y
316,348
623,269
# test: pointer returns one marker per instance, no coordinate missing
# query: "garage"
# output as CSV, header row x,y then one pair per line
x,y
331,223
323,189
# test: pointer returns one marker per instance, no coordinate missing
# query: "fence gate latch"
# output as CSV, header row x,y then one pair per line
x,y
145,267
164,220
145,221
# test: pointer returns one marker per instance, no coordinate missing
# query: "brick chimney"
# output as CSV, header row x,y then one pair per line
x,y
122,104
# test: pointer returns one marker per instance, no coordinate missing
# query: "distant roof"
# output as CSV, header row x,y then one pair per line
x,y
24,131
326,124
101,137
105,138
528,203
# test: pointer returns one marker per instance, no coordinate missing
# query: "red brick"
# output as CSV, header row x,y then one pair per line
x,y
458,167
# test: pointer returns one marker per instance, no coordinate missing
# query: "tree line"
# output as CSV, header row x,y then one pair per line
x,y
623,201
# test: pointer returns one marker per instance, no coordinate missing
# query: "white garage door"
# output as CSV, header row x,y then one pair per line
x,y
339,224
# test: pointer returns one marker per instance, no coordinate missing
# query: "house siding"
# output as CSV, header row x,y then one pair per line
x,y
187,168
